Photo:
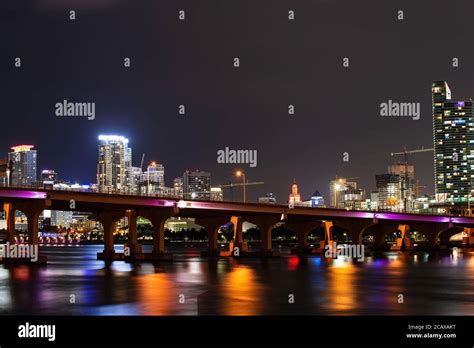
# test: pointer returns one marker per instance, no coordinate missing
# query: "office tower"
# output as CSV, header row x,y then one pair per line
x,y
453,136
22,162
389,192
135,179
269,198
336,189
153,180
178,187
197,185
217,194
114,167
294,197
407,174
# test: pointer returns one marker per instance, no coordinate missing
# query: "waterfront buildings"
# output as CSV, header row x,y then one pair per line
x,y
217,194
153,180
453,137
178,187
22,160
339,190
114,166
389,192
197,185
269,198
317,200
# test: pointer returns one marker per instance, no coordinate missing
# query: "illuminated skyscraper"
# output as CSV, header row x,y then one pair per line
x,y
336,190
453,136
153,180
114,167
22,161
197,185
389,192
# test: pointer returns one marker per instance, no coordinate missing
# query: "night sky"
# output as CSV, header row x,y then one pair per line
x,y
283,62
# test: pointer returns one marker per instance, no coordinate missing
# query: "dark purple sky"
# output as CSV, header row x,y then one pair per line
x,y
190,63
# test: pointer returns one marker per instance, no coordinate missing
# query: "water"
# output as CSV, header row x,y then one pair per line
x,y
431,284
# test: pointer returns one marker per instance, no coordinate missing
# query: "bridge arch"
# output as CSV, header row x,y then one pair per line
x,y
377,234
445,235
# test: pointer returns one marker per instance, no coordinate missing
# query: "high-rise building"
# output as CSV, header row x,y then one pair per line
x,y
178,187
197,185
389,192
294,197
407,174
22,162
453,136
217,194
114,167
153,180
135,179
336,191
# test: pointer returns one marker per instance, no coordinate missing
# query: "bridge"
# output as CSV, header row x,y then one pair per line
x,y
110,208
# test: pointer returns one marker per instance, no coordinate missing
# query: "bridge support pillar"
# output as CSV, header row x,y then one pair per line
x,y
469,239
405,242
212,225
132,244
10,222
33,210
328,235
237,221
108,221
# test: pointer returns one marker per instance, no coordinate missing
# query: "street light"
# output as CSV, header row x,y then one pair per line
x,y
242,174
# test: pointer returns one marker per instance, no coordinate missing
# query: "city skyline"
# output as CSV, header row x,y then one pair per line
x,y
336,108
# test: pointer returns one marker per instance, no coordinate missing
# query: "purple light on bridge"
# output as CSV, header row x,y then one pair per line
x,y
23,194
164,203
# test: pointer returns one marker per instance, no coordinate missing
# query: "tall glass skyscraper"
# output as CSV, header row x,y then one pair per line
x,y
114,170
453,136
22,162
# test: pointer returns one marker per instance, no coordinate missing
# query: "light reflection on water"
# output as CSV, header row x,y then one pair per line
x,y
431,284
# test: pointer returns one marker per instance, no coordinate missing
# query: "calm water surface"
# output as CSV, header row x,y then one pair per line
x,y
431,284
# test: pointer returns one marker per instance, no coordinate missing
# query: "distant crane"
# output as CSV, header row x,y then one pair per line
x,y
231,186
405,153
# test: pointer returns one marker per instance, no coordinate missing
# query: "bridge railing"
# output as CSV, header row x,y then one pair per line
x,y
131,192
